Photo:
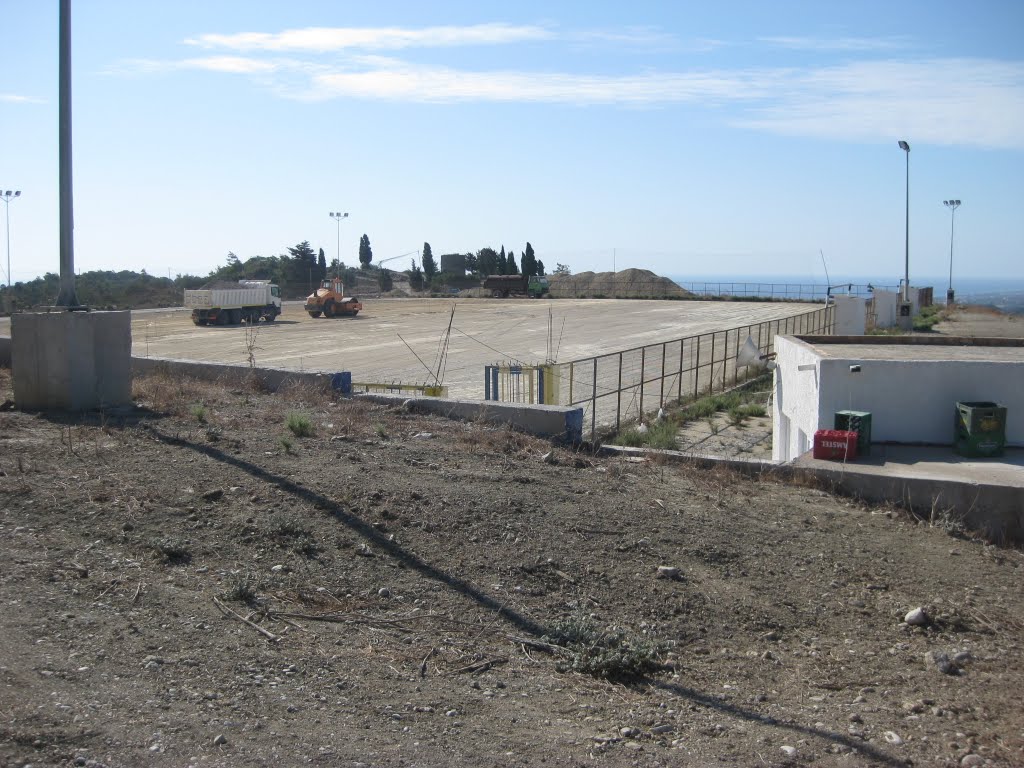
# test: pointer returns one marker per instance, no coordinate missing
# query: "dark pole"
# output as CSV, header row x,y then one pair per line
x,y
952,205
906,254
67,296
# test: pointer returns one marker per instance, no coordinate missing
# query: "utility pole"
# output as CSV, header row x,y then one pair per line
x,y
7,197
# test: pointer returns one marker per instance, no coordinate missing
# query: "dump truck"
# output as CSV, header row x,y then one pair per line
x,y
330,300
225,303
503,286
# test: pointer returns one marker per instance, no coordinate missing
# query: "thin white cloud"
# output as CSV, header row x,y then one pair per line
x,y
400,82
14,98
325,39
838,44
973,102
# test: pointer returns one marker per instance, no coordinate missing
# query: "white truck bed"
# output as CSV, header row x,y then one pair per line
x,y
228,298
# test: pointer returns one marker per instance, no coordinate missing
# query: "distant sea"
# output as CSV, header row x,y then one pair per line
x,y
1005,293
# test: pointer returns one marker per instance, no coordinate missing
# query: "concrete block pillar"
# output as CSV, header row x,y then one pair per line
x,y
71,361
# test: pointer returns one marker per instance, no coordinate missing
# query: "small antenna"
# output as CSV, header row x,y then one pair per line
x,y
828,280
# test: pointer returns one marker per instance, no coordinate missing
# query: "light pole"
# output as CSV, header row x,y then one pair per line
x,y
905,319
952,205
7,197
338,217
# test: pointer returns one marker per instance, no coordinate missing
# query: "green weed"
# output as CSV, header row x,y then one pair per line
x,y
299,424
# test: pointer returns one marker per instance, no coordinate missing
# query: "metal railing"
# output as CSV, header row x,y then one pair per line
x,y
621,386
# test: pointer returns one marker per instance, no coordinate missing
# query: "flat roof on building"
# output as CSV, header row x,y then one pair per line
x,y
911,348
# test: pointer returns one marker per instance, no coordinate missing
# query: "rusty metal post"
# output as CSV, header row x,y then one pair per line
x,y
618,397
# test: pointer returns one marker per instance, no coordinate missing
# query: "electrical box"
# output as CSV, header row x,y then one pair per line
x,y
859,422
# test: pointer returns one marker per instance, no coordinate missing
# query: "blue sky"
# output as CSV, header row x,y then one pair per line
x,y
691,139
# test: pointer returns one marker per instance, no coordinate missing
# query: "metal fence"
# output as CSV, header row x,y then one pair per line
x,y
621,386
777,291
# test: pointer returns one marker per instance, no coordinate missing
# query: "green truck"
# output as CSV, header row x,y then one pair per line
x,y
503,286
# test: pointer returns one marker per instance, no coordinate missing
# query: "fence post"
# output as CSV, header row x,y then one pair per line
x,y
643,363
593,405
661,395
711,370
679,396
736,358
696,371
725,357
618,397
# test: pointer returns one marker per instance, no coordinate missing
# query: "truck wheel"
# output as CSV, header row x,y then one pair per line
x,y
222,318
329,308
197,321
311,314
236,317
495,294
355,312
270,318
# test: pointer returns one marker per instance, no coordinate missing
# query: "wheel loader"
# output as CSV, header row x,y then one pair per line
x,y
330,300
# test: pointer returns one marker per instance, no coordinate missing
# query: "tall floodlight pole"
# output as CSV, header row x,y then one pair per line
x,y
952,205
67,296
7,197
338,217
906,253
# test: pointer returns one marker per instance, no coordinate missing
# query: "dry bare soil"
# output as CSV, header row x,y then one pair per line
x,y
190,583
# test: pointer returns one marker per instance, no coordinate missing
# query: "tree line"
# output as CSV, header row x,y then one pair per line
x,y
298,271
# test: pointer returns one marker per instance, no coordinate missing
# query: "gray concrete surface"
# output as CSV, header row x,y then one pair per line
x,y
71,361
484,331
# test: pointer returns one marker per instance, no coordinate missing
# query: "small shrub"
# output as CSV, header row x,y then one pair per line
x,y
172,550
286,444
609,654
242,588
755,409
199,413
299,424
381,431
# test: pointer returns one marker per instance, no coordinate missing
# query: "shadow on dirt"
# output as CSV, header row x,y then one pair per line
x,y
521,622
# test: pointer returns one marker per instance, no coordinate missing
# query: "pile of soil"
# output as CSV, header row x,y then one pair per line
x,y
627,284
193,583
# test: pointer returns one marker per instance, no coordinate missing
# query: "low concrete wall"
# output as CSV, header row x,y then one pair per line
x,y
5,351
996,511
270,378
554,421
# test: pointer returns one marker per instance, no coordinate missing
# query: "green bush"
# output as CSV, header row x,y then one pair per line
x,y
609,654
299,424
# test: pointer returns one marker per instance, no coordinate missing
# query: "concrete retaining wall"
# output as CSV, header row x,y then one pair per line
x,y
270,378
554,421
5,351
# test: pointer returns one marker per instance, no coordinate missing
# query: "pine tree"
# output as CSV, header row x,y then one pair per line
x,y
429,265
365,252
321,264
529,261
513,268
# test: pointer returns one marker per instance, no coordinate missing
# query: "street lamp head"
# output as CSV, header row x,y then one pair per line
x,y
17,193
904,146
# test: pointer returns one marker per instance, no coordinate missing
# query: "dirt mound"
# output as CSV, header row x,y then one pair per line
x,y
627,284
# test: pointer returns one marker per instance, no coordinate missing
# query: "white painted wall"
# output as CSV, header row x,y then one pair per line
x,y
851,315
910,401
795,404
886,307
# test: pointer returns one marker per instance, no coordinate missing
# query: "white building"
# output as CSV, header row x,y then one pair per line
x,y
910,385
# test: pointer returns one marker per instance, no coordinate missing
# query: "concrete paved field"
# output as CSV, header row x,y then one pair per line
x,y
383,342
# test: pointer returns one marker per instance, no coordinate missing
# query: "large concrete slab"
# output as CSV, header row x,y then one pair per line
x,y
71,361
385,340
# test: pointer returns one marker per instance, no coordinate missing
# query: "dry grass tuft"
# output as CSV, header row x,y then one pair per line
x,y
168,393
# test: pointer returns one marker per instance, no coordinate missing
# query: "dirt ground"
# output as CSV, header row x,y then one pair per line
x,y
190,583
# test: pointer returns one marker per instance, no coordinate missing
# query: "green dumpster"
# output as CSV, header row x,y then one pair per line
x,y
980,429
859,422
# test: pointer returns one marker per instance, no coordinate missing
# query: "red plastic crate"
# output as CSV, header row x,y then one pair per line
x,y
835,444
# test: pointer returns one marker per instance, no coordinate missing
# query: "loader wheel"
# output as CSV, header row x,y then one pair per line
x,y
311,314
355,312
495,294
329,308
